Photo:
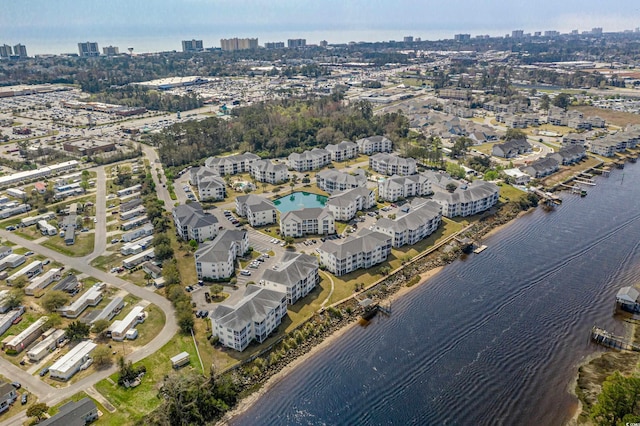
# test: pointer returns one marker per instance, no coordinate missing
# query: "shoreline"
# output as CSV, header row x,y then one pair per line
x,y
504,216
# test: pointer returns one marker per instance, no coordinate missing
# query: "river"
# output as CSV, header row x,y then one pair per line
x,y
495,338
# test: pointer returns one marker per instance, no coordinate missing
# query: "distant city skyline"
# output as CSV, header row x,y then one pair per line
x,y
57,27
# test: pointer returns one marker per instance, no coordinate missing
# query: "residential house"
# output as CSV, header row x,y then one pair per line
x,y
254,317
311,221
296,275
518,176
344,205
511,148
363,251
541,167
423,219
335,180
258,210
78,358
400,187
373,144
216,260
569,154
192,223
345,150
390,164
74,413
266,171
8,396
574,139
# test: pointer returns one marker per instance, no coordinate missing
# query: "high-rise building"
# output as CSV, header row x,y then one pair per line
x,y
5,51
517,34
596,31
274,45
192,46
233,44
292,43
88,49
324,43
462,37
20,50
551,33
408,39
110,51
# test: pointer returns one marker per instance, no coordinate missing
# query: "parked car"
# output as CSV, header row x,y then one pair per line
x,y
245,272
25,398
29,253
16,385
44,371
46,262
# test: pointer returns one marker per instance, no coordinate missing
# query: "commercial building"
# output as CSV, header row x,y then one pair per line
x,y
216,260
334,180
310,221
192,223
26,336
91,297
294,43
390,164
364,251
233,44
192,46
89,147
78,358
423,219
119,328
258,210
343,206
74,413
254,317
296,275
88,49
45,346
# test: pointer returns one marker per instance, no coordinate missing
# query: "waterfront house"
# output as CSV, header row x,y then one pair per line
x,y
541,167
569,154
511,148
423,219
467,199
366,250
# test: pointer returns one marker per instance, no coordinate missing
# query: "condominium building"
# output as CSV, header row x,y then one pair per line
x,y
254,317
5,51
466,199
293,43
233,44
345,150
110,51
366,250
216,260
373,144
311,221
232,164
266,171
344,205
422,219
88,49
309,160
390,164
334,180
401,187
296,275
210,185
258,210
20,50
192,45
192,223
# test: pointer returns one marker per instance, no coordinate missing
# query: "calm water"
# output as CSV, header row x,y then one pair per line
x,y
299,201
493,339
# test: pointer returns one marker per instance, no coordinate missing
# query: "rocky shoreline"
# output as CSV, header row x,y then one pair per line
x,y
255,377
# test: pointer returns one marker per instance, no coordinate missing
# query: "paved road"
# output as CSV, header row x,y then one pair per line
x,y
154,160
100,242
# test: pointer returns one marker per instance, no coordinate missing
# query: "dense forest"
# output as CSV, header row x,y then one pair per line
x,y
137,96
275,129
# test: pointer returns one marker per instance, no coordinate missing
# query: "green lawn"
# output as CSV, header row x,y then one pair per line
x,y
106,262
509,193
82,247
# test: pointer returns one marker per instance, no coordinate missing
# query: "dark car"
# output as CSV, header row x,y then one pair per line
x,y
25,397
16,385
44,371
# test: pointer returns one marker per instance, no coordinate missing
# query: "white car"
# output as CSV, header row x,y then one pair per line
x,y
245,272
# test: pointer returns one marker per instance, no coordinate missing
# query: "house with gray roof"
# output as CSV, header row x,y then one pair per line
x,y
254,317
8,396
335,180
467,199
266,171
344,205
311,221
74,413
232,164
309,160
366,250
345,150
373,144
541,167
296,275
391,164
574,139
400,187
192,223
216,260
423,219
569,154
511,148
258,210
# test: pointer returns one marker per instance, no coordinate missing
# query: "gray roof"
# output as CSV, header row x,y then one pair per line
x,y
254,306
475,191
359,179
392,159
268,166
305,214
365,242
342,145
71,414
218,249
344,198
417,216
216,161
396,181
193,216
255,202
308,155
292,268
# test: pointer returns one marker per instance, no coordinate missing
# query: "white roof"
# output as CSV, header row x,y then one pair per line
x,y
179,357
27,331
121,326
75,355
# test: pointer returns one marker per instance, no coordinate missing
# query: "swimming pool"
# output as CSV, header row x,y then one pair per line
x,y
298,201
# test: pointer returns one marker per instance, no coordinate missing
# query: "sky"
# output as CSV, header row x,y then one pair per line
x,y
56,26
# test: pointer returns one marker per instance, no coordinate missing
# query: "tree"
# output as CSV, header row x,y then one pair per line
x,y
77,331
514,134
37,410
54,299
100,326
618,401
562,100
384,270
216,289
185,320
170,272
193,245
491,175
14,299
163,252
289,240
545,101
53,320
102,356
451,187
19,282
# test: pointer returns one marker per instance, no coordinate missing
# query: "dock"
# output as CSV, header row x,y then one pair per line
x,y
371,308
609,340
547,197
480,249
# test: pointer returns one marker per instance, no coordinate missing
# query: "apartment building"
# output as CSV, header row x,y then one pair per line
x,y
344,205
401,187
296,275
216,260
309,160
368,249
335,180
391,164
311,221
466,199
423,219
258,210
232,164
266,171
192,223
373,144
343,151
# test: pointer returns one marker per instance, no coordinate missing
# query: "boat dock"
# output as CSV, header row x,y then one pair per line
x,y
609,340
480,249
371,308
547,198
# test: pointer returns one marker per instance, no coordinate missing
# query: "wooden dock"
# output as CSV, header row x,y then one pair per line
x,y
547,198
480,249
604,338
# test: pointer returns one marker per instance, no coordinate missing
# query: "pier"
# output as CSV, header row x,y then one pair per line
x,y
547,198
609,340
371,308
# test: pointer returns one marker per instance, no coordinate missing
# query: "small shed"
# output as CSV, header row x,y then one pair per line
x,y
180,360
131,334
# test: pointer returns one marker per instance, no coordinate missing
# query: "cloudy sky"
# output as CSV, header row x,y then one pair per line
x,y
49,22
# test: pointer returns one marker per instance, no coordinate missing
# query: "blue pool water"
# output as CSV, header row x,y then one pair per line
x,y
299,201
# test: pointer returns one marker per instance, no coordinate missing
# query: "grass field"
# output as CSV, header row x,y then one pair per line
x,y
107,262
83,246
617,118
509,193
